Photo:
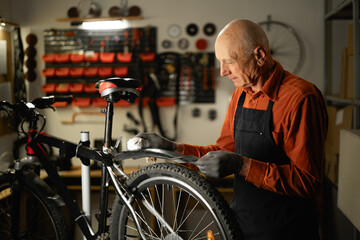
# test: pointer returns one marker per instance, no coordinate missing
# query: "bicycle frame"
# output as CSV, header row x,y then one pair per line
x,y
85,154
107,158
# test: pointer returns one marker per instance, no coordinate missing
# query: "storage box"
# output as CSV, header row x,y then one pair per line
x,y
62,72
107,57
349,177
105,71
344,73
331,166
350,77
124,57
339,118
121,71
351,38
77,72
77,58
48,58
62,57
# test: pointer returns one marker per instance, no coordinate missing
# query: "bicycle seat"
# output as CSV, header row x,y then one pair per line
x,y
115,88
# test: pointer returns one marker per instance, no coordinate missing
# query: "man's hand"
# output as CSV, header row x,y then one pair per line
x,y
150,140
219,164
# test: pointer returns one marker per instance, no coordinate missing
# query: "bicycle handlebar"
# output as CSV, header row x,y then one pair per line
x,y
46,102
39,103
24,110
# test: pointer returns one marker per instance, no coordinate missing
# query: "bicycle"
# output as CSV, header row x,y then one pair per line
x,y
160,201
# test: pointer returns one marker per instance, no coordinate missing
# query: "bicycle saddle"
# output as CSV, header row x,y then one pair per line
x,y
115,88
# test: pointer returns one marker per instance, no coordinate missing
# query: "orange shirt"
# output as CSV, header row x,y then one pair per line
x,y
299,128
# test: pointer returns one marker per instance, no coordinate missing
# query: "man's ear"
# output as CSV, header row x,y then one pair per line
x,y
260,55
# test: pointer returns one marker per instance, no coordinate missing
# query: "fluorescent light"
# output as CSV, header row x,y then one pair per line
x,y
115,24
2,20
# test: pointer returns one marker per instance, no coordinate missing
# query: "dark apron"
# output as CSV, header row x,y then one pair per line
x,y
262,214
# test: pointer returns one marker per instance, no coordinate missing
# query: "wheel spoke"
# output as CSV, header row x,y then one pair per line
x,y
202,218
188,215
142,217
153,205
185,205
177,209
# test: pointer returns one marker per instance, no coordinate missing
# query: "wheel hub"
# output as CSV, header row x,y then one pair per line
x,y
173,236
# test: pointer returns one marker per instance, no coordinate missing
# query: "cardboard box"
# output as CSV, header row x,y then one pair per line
x,y
350,63
331,166
349,177
339,118
349,92
344,73
351,39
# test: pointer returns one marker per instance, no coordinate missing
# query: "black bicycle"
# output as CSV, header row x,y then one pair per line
x,y
160,201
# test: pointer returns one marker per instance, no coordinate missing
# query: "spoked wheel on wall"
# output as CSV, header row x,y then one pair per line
x,y
285,44
190,206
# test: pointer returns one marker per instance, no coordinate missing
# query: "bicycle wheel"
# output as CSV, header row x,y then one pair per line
x,y
39,216
188,203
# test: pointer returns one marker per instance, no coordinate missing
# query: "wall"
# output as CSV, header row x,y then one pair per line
x,y
306,17
6,140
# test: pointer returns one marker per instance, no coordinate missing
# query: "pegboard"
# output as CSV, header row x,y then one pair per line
x,y
135,40
190,79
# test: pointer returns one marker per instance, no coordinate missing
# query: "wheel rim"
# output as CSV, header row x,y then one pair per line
x,y
36,224
182,207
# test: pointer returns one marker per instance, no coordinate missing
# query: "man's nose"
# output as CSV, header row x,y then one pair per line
x,y
223,70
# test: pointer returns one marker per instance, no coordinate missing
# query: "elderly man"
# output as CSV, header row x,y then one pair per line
x,y
272,139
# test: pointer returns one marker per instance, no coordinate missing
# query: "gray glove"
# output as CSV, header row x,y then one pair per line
x,y
219,164
153,140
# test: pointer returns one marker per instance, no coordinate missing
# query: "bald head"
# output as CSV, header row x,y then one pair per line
x,y
244,36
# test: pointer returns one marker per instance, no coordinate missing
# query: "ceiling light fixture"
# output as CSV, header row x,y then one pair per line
x,y
2,22
103,25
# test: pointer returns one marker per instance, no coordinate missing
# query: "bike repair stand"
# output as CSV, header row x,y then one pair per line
x,y
85,178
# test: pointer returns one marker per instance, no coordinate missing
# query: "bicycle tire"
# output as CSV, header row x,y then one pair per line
x,y
201,202
40,216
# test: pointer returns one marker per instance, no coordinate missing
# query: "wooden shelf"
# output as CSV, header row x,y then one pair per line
x,y
343,100
78,19
341,11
